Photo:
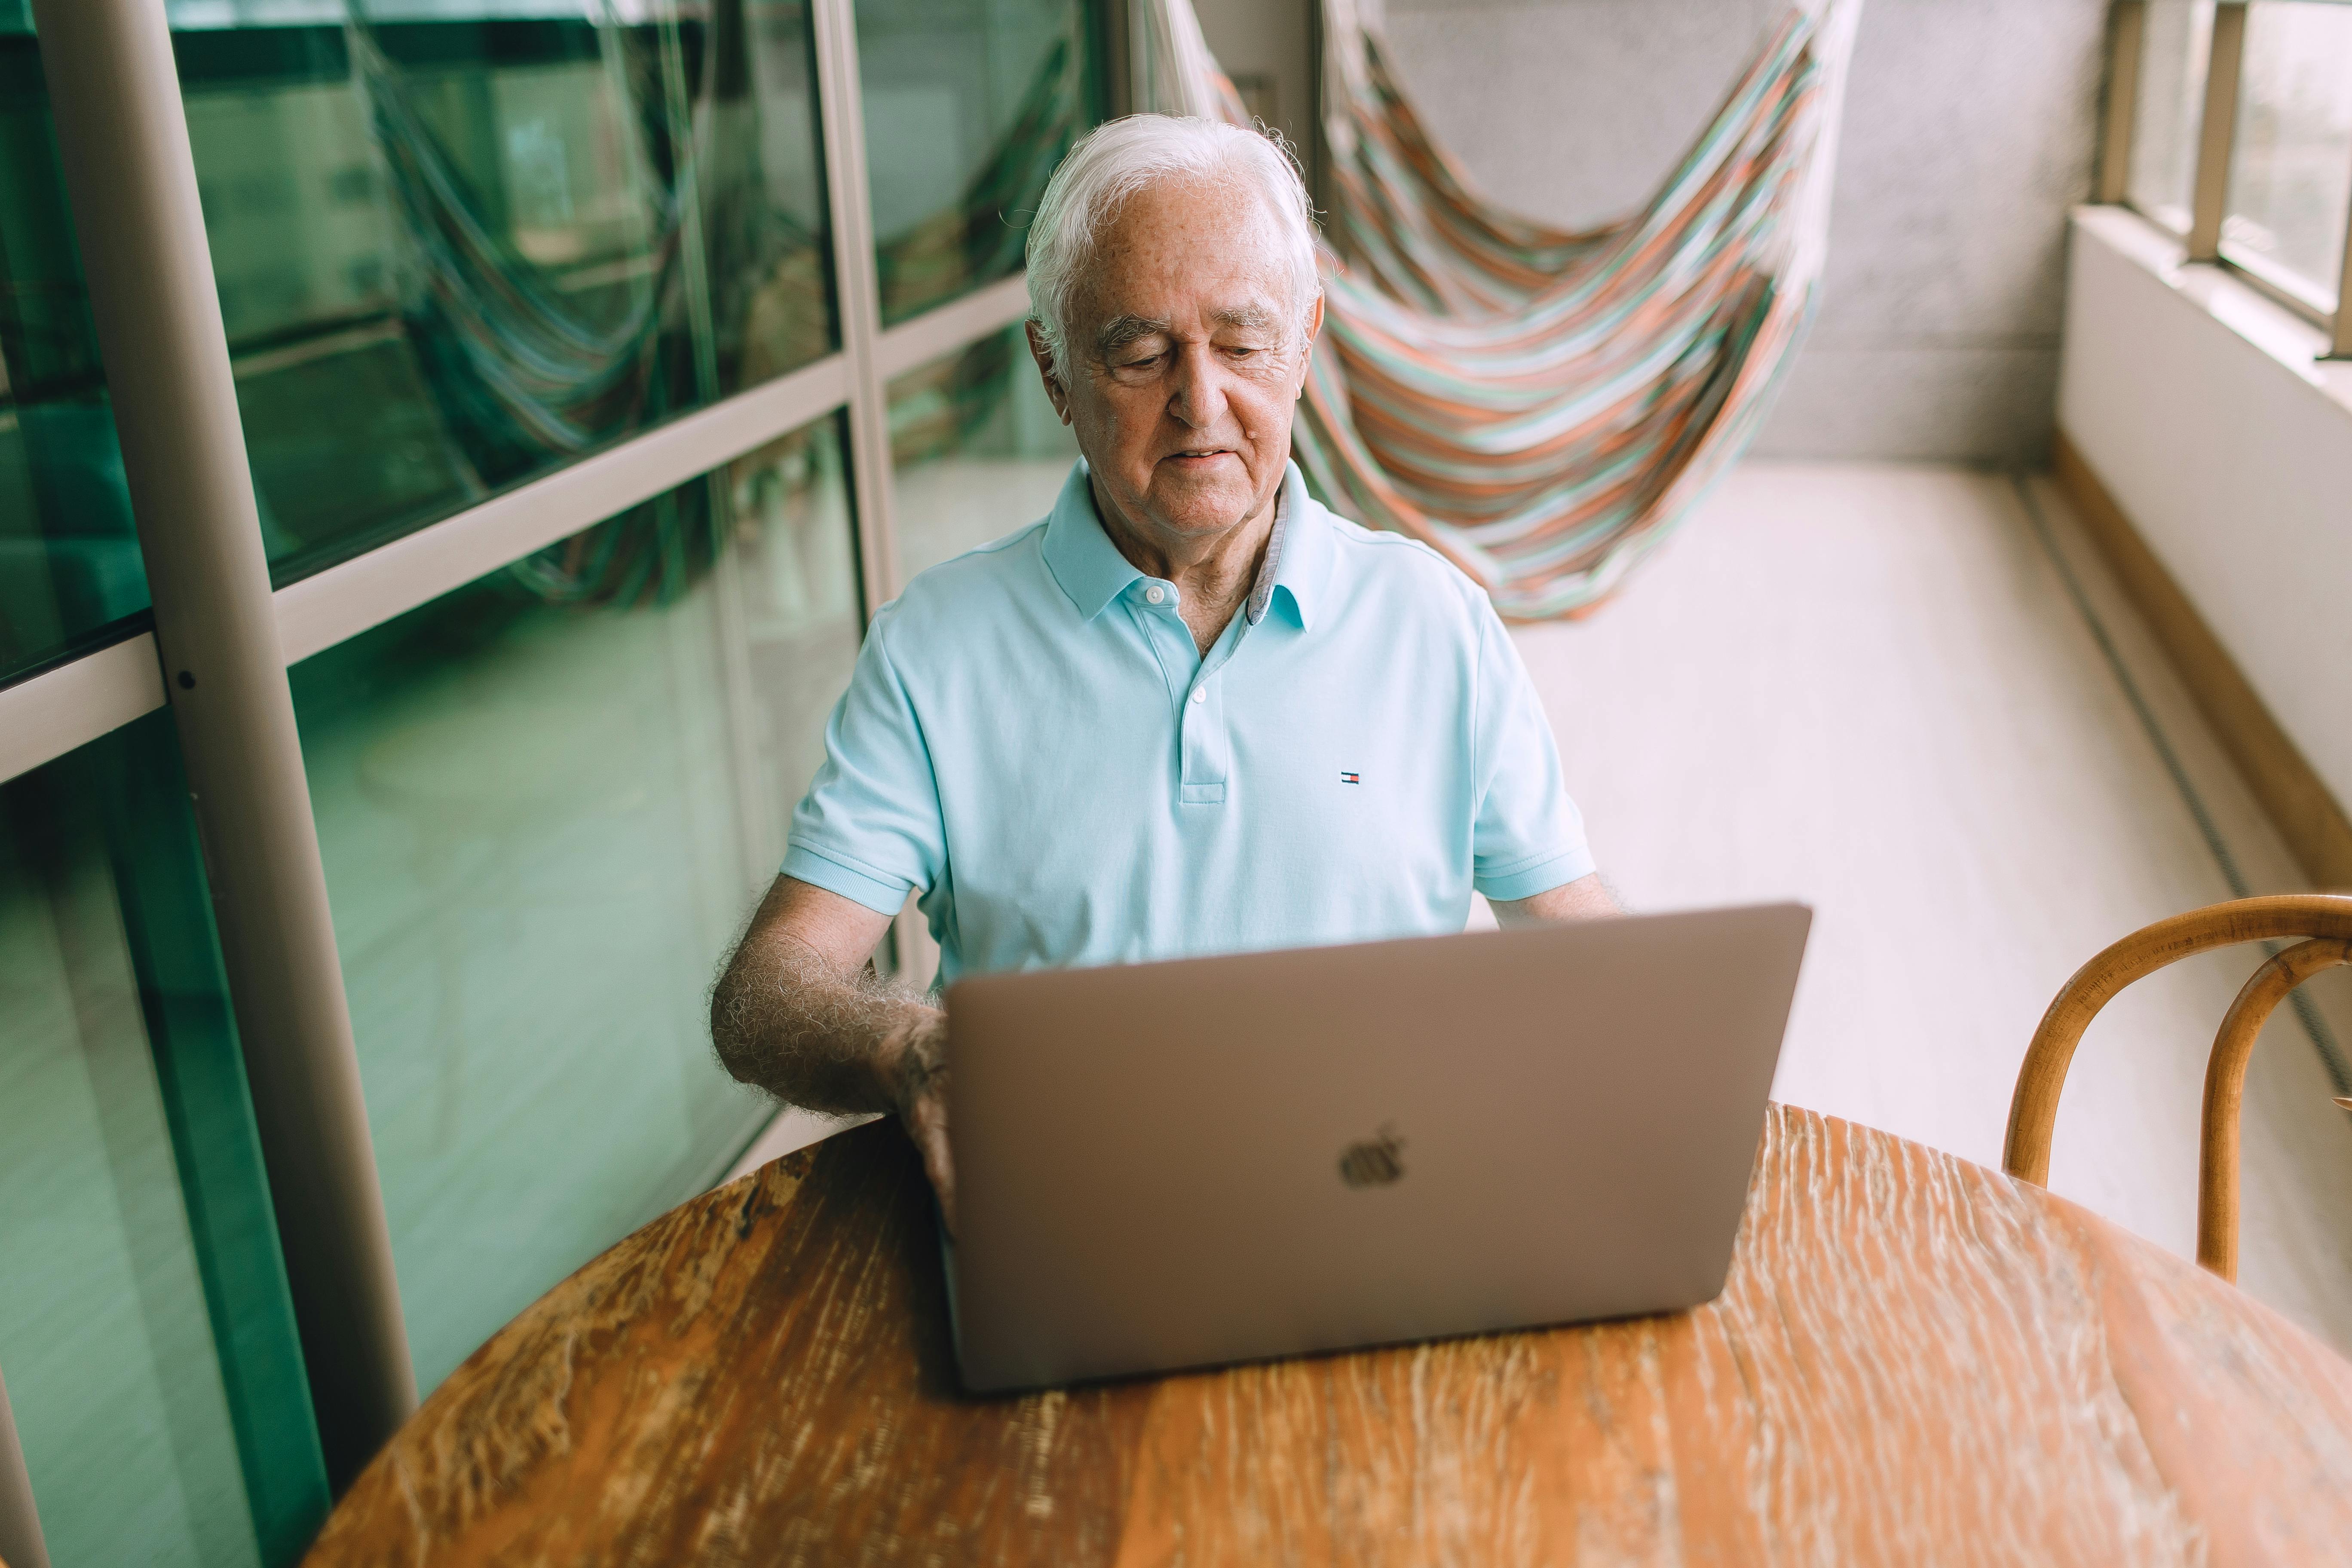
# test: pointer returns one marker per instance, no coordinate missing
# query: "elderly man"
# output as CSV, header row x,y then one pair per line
x,y
1190,712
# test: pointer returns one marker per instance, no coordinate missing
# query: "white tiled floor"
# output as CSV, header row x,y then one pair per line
x,y
1866,687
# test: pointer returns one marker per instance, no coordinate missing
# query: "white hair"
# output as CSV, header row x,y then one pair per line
x,y
1113,162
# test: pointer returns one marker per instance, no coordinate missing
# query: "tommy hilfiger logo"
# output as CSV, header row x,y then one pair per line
x,y
1351,778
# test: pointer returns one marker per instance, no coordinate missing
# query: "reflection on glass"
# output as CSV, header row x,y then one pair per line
x,y
969,105
2291,182
70,577
546,801
149,1342
456,248
2175,47
977,451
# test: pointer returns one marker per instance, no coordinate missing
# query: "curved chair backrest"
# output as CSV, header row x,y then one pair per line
x,y
2325,918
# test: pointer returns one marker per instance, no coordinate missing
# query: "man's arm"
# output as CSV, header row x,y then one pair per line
x,y
800,1013
1586,898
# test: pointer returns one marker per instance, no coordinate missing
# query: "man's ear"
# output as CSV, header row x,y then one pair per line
x,y
1055,390
1314,330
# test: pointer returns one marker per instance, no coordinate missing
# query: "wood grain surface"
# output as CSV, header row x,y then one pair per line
x,y
1915,1360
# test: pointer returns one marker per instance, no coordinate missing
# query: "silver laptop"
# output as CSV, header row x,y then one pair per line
x,y
1215,1160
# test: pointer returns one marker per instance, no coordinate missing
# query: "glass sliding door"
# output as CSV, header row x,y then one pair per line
x,y
969,104
546,802
145,1331
976,449
461,243
70,578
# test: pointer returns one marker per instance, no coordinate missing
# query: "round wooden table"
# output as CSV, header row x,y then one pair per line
x,y
1916,1360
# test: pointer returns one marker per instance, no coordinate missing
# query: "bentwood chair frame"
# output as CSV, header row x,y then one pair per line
x,y
2324,920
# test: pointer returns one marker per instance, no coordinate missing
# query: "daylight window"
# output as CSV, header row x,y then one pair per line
x,y
2291,173
2176,45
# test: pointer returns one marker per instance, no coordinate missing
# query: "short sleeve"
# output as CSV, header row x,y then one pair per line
x,y
869,827
1527,837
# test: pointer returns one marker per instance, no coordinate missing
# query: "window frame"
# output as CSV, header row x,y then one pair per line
x,y
54,709
2216,137
114,46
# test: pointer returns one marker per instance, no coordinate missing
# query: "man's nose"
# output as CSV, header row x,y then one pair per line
x,y
1197,398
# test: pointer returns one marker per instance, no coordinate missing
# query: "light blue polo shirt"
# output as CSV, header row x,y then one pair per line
x,y
1032,739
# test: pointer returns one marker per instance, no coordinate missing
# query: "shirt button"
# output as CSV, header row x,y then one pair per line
x,y
1155,594
1199,695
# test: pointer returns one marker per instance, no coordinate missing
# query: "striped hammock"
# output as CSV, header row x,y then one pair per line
x,y
1543,406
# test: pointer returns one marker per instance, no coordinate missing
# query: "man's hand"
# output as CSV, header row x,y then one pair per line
x,y
922,1079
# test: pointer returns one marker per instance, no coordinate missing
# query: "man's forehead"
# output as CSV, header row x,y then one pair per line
x,y
1187,211
1124,297
1172,255
1222,272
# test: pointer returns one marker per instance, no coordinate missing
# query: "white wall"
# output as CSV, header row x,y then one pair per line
x,y
1969,134
2200,406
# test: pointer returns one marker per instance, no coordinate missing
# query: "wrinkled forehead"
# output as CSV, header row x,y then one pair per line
x,y
1186,249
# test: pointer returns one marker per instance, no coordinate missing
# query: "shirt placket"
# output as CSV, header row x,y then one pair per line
x,y
1204,756
1207,748
1204,730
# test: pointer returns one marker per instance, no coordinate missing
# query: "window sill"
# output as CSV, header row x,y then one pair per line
x,y
2280,332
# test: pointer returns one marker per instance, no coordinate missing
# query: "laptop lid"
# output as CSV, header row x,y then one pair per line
x,y
1213,1160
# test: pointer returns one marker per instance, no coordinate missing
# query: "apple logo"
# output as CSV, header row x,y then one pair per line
x,y
1376,1162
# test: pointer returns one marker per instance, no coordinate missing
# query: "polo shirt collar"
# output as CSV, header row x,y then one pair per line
x,y
1081,556
1305,566
1091,572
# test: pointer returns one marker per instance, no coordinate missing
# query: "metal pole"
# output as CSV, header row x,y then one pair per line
x,y
20,1526
1315,146
123,138
2217,134
857,286
1118,56
2124,39
2339,329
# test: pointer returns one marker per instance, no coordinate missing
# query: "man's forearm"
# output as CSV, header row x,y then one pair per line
x,y
786,1019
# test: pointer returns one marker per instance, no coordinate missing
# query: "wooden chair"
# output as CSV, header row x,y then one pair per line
x,y
2323,919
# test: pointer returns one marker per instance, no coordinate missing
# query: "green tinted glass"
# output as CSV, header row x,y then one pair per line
x,y
145,1331
546,801
70,577
969,105
976,449
458,244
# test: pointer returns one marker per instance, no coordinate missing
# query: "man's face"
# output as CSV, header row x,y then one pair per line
x,y
1184,360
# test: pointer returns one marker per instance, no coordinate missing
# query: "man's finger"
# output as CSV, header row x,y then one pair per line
x,y
941,1171
943,1184
929,1119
